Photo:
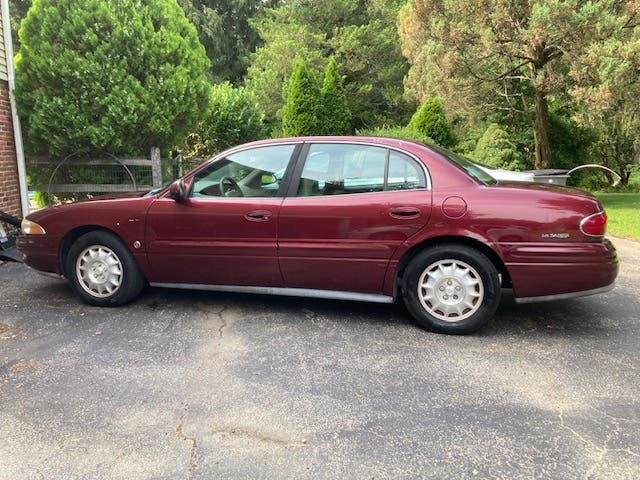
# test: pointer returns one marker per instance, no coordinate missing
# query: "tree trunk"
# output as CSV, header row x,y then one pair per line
x,y
624,177
541,131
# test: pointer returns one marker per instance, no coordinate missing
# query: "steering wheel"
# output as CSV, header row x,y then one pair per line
x,y
229,185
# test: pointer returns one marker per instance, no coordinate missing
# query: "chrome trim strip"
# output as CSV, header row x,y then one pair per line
x,y
423,189
564,296
291,292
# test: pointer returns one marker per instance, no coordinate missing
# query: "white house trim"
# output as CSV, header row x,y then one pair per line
x,y
17,132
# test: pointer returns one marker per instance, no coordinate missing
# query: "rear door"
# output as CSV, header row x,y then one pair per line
x,y
225,232
349,207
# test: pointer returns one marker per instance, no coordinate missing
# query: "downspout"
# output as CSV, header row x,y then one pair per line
x,y
17,132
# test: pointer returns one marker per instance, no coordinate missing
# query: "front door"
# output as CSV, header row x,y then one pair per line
x,y
353,206
225,232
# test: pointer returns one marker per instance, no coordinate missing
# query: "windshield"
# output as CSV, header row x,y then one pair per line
x,y
467,165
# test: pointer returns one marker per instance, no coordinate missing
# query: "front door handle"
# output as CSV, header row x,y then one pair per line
x,y
258,215
404,212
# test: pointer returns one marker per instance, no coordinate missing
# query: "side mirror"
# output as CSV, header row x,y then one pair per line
x,y
178,190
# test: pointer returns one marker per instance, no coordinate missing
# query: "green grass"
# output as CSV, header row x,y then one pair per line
x,y
623,212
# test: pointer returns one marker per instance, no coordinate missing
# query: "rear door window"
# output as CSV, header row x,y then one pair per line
x,y
338,169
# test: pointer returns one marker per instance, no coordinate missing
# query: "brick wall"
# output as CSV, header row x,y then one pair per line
x,y
9,185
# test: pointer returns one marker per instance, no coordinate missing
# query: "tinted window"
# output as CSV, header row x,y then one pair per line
x,y
334,169
251,173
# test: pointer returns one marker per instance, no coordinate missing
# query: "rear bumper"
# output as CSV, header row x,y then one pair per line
x,y
553,271
565,296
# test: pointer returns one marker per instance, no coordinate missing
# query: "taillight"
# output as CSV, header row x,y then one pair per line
x,y
594,225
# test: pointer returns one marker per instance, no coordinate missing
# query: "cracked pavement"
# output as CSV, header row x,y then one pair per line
x,y
197,385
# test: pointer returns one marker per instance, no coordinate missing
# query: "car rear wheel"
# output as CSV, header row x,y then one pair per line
x,y
451,289
102,271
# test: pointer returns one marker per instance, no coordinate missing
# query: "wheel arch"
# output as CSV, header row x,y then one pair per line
x,y
456,240
72,236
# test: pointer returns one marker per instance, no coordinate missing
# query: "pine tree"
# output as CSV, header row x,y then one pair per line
x,y
335,115
300,116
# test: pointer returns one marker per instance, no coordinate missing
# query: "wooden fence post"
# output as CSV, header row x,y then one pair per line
x,y
156,167
180,163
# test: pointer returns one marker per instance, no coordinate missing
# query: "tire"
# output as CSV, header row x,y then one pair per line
x,y
102,270
451,289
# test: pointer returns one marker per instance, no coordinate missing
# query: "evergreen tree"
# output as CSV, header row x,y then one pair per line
x,y
115,76
335,114
301,114
225,31
430,120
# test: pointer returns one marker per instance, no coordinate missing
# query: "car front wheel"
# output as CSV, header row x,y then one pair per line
x,y
102,271
451,289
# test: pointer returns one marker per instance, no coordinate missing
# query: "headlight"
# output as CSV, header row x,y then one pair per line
x,y
31,228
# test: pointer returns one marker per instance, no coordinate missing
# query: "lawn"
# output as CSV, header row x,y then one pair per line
x,y
623,211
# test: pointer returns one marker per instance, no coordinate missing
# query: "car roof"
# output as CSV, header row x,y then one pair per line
x,y
388,141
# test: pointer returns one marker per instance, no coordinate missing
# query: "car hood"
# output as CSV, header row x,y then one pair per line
x,y
37,215
112,196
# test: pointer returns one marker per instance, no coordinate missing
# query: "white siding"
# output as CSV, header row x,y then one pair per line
x,y
3,53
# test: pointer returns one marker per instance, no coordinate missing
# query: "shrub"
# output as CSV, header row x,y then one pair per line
x,y
496,150
571,144
233,117
397,132
430,121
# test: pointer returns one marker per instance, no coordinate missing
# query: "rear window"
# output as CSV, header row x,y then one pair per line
x,y
467,165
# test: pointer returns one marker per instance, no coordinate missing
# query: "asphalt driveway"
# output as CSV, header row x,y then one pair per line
x,y
202,385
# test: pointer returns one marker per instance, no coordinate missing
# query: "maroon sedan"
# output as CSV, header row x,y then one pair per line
x,y
353,218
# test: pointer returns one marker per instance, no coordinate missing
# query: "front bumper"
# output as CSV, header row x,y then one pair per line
x,y
40,252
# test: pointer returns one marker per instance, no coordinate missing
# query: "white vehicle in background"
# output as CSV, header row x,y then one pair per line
x,y
551,176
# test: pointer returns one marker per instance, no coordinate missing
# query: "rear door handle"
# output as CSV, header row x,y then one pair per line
x,y
404,212
258,215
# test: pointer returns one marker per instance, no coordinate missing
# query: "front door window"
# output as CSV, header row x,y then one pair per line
x,y
256,172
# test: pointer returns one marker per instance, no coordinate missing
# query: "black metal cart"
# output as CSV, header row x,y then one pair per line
x,y
9,229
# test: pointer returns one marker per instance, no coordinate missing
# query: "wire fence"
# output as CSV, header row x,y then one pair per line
x,y
79,176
